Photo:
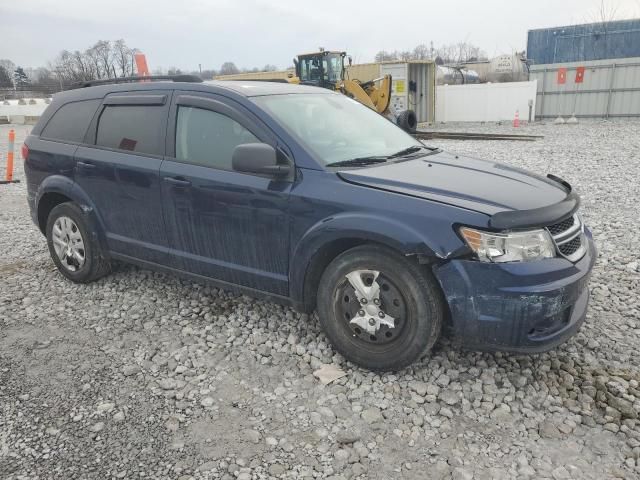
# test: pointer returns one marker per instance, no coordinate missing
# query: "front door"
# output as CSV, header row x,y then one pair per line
x,y
223,224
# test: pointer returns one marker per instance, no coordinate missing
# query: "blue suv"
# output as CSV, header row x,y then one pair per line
x,y
304,196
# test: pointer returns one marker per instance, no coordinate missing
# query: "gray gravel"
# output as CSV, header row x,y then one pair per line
x,y
144,375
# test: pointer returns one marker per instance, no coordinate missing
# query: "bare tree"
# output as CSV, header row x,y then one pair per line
x,y
229,68
8,65
384,56
5,78
104,59
123,56
453,53
422,52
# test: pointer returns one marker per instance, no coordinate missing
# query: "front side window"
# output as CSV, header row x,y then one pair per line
x,y
208,138
334,127
310,70
133,128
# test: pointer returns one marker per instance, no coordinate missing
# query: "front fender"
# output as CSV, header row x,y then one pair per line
x,y
355,226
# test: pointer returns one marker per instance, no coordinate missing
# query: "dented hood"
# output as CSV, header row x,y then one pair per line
x,y
470,183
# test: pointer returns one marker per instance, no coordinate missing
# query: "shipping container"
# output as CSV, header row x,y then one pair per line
x,y
576,43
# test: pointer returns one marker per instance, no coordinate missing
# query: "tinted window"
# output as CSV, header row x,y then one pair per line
x,y
70,122
208,138
134,128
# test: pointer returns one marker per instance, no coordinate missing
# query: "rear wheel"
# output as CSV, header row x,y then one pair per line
x,y
379,309
74,250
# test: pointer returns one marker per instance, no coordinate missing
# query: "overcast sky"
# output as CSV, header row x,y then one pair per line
x,y
184,33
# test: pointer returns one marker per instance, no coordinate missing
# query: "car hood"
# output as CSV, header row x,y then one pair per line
x,y
470,183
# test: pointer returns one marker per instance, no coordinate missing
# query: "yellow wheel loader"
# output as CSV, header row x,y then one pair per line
x,y
326,69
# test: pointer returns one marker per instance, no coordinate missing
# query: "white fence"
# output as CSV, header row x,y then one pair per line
x,y
485,102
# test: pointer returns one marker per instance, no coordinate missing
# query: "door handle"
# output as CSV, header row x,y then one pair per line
x,y
86,165
177,181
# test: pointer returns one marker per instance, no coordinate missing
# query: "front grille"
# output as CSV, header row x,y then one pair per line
x,y
558,228
570,247
568,238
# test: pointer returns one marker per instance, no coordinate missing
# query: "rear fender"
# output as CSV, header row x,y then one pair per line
x,y
67,187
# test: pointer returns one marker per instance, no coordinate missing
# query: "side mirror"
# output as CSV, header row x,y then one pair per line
x,y
259,158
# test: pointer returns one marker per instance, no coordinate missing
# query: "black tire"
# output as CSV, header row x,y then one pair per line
x,y
418,308
407,121
96,264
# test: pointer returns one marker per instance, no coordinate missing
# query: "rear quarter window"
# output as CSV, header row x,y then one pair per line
x,y
70,122
133,128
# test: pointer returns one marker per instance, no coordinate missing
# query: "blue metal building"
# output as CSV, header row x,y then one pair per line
x,y
592,41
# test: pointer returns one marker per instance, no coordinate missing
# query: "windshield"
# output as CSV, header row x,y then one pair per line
x,y
336,128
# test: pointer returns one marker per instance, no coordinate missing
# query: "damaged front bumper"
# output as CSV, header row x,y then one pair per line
x,y
520,306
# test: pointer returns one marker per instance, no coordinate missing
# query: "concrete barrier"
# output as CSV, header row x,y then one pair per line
x,y
33,107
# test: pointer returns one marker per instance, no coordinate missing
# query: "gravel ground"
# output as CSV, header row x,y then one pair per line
x,y
145,375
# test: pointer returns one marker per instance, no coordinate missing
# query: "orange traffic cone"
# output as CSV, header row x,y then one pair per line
x,y
9,172
516,119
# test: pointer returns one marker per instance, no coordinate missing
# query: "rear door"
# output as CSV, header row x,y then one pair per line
x,y
120,171
223,224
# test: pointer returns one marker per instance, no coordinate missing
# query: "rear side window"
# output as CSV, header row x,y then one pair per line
x,y
70,122
133,128
208,138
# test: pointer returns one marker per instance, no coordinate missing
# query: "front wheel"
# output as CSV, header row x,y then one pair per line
x,y
379,309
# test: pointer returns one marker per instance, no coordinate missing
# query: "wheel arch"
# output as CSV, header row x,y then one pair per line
x,y
331,237
58,189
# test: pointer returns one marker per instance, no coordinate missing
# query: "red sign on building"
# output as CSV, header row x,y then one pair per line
x,y
562,75
579,74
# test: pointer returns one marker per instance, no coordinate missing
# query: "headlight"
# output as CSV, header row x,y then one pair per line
x,y
509,247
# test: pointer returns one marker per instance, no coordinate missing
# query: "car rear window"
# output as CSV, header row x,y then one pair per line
x,y
70,122
133,128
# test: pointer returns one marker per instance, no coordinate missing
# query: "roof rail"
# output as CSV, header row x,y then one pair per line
x,y
108,81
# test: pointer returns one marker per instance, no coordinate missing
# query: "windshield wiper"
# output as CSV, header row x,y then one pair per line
x,y
355,162
407,151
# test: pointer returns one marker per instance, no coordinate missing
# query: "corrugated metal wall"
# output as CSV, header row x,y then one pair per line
x,y
611,88
593,41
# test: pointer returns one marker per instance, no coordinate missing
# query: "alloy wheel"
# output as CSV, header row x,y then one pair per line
x,y
68,244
